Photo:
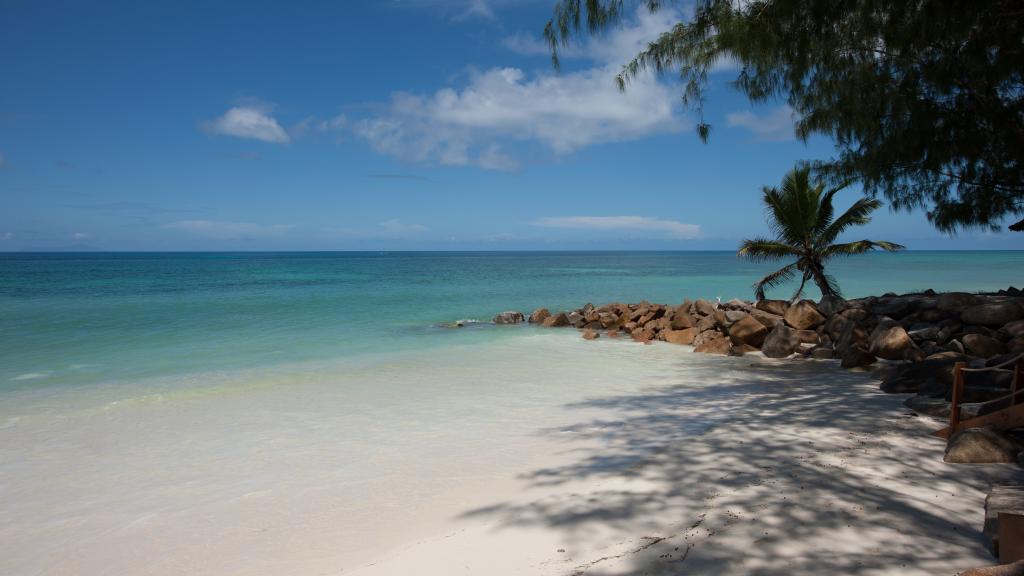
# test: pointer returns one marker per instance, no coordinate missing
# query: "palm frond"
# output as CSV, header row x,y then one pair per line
x,y
826,211
780,276
765,249
860,247
856,215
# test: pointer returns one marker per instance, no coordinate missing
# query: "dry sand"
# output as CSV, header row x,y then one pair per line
x,y
791,471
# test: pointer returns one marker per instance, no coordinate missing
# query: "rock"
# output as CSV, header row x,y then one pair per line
x,y
808,336
1014,329
539,315
894,308
937,407
747,330
613,333
892,343
681,320
556,321
684,336
780,342
703,337
983,346
590,335
595,325
822,353
849,351
734,316
981,445
956,300
992,314
831,305
643,334
855,314
777,307
932,377
706,323
576,319
718,345
703,307
741,349
1016,346
509,317
926,333
767,318
803,315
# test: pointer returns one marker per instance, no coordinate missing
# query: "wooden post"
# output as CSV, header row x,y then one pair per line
x,y
958,391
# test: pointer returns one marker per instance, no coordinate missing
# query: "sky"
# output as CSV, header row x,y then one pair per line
x,y
376,125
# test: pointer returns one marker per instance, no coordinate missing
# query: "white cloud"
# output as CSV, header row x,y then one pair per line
x,y
671,228
478,123
228,230
251,121
7,236
775,126
563,112
80,236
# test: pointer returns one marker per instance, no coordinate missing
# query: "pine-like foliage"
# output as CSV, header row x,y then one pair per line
x,y
924,98
801,217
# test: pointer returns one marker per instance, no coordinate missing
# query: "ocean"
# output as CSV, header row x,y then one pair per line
x,y
294,407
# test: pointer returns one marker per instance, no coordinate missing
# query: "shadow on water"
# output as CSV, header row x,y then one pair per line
x,y
769,468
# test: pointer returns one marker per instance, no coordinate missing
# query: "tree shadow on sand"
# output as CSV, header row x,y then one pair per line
x,y
773,467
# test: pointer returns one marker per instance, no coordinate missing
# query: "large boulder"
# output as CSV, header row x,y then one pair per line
x,y
718,345
780,342
893,343
556,321
983,346
992,314
937,407
848,349
831,305
591,335
956,300
509,317
777,307
981,445
703,307
684,336
682,320
1014,329
803,315
539,315
747,330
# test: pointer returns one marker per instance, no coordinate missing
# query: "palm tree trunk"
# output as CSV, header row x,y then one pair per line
x,y
818,272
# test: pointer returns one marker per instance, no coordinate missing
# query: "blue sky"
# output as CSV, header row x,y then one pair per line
x,y
358,125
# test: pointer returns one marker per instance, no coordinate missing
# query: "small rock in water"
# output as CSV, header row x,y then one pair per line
x,y
590,335
509,317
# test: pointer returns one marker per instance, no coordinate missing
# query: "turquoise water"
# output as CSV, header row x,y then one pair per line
x,y
77,318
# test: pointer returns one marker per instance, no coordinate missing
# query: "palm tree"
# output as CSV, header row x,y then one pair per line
x,y
800,216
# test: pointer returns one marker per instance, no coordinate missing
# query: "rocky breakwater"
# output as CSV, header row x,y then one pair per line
x,y
911,340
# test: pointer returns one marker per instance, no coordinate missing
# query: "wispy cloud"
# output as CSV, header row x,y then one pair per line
x,y
7,236
228,230
670,228
80,236
774,126
250,121
477,9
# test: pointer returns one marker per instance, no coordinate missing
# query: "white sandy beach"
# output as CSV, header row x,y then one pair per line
x,y
597,458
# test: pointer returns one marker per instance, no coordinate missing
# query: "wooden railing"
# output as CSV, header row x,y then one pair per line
x,y
1014,396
